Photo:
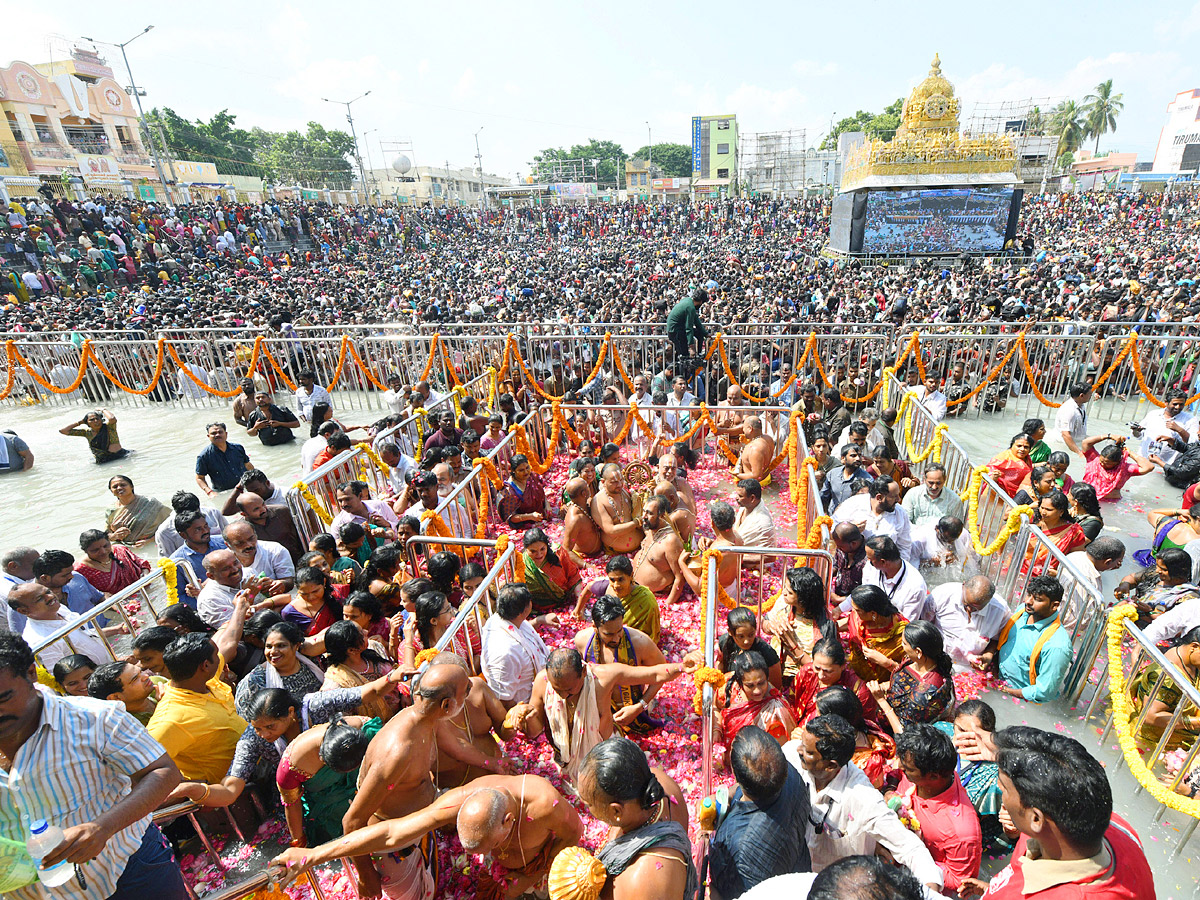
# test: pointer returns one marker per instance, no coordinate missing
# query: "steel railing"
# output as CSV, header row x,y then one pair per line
x,y
1144,653
140,590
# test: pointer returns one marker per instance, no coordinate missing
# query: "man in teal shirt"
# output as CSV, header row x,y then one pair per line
x,y
1033,650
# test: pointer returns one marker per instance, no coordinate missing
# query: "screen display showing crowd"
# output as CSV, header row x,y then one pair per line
x,y
940,220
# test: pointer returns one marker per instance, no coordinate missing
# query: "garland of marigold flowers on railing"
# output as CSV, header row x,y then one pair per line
x,y
170,573
1123,715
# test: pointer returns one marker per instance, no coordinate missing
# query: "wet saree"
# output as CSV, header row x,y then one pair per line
x,y
551,584
772,714
517,501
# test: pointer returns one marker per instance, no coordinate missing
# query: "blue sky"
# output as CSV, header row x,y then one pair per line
x,y
538,74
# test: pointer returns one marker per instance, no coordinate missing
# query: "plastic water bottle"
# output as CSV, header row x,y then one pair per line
x,y
44,838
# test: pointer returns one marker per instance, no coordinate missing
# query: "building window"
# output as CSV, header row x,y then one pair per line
x,y
722,149
722,173
722,125
643,179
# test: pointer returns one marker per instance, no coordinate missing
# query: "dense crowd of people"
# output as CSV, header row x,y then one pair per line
x,y
125,264
329,678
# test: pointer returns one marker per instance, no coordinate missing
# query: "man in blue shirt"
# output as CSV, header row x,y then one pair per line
x,y
55,570
1033,650
198,542
764,832
221,461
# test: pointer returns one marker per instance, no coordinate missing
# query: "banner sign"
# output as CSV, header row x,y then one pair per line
x,y
695,146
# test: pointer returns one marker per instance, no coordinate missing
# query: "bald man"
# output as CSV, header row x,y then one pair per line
x,y
757,453
266,559
467,744
272,523
612,510
395,779
730,417
668,472
520,821
681,517
581,534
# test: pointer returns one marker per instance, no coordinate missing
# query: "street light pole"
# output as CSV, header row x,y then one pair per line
x,y
138,99
350,118
370,164
479,165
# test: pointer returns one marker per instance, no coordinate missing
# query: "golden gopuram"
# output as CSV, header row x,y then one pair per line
x,y
928,148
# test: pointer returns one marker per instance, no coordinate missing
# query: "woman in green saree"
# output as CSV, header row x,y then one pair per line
x,y
135,518
552,578
317,777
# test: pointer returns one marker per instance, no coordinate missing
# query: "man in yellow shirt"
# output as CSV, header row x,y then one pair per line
x,y
196,719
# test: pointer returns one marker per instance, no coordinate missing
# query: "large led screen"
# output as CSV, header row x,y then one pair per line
x,y
941,220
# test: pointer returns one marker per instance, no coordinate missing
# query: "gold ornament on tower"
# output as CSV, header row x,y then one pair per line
x,y
928,142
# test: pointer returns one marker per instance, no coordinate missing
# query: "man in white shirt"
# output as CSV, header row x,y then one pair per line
x,y
400,465
1163,428
887,570
44,615
969,615
394,398
1071,419
849,817
188,386
1176,621
218,596
513,653
930,396
877,513
308,394
788,397
753,522
264,559
679,422
941,551
930,500
1104,554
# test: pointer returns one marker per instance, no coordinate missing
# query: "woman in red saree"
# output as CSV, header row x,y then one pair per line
x,y
1012,467
523,500
1057,524
107,567
750,699
828,669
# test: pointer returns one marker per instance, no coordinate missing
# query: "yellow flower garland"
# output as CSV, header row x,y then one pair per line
x,y
170,576
706,675
502,543
1011,527
317,506
384,468
1123,715
934,448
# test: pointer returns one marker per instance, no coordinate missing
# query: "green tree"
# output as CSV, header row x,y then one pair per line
x,y
1101,109
881,126
316,158
1035,122
1067,120
217,141
599,161
674,159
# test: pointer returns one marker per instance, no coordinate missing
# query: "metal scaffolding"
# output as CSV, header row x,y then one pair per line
x,y
773,162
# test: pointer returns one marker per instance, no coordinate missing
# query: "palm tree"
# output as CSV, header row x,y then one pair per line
x,y
1102,109
1067,121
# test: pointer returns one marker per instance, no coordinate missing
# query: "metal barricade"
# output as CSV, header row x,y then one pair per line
x,y
133,623
350,465
1144,653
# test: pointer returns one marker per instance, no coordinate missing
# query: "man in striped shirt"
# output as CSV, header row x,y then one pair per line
x,y
90,768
